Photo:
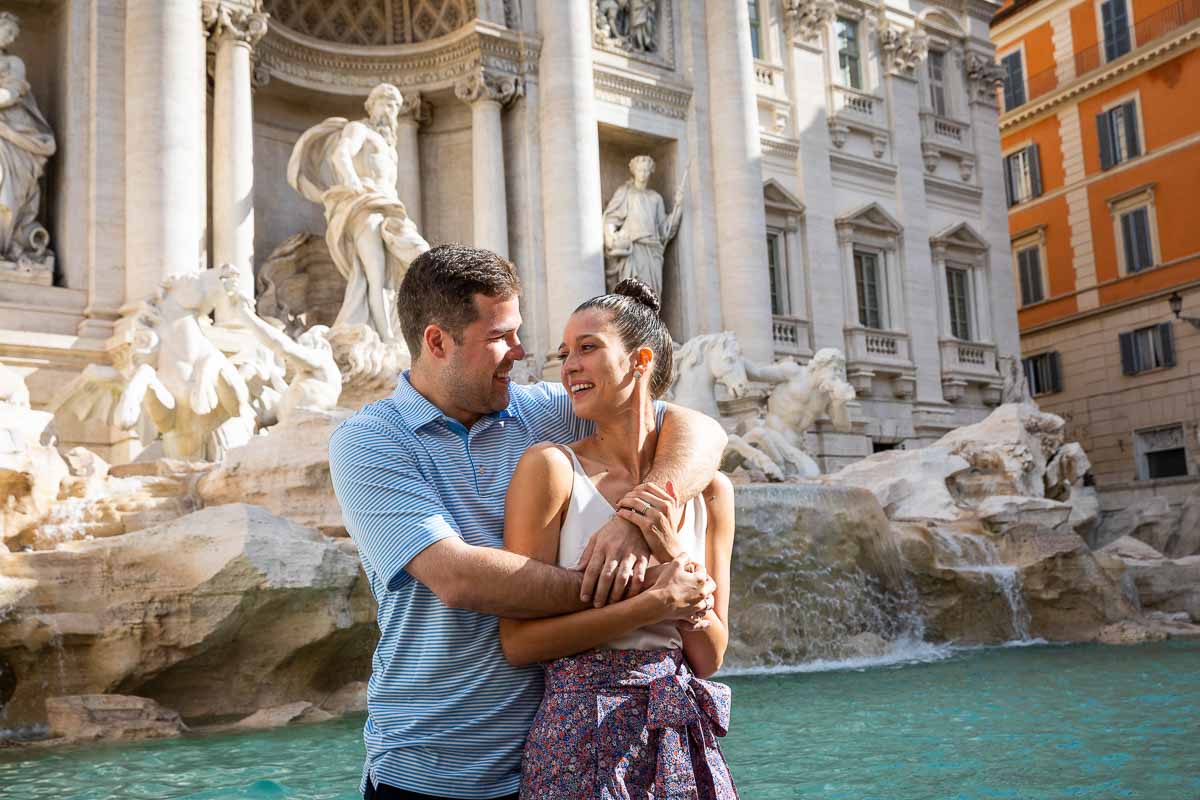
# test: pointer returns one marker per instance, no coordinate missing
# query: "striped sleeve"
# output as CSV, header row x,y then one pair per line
x,y
391,511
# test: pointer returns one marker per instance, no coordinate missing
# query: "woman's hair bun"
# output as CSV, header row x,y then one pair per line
x,y
636,290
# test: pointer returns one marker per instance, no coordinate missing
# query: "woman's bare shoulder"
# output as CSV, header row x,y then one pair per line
x,y
545,465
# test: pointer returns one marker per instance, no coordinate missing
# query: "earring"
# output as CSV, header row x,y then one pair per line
x,y
638,371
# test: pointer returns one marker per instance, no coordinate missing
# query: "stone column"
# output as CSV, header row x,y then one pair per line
x,y
164,112
487,94
571,221
408,171
737,184
235,27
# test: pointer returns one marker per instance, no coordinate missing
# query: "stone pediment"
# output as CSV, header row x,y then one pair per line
x,y
871,217
962,236
777,198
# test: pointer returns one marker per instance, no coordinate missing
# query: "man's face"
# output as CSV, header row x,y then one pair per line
x,y
476,376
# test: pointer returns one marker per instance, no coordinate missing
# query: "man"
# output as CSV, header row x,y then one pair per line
x,y
637,229
350,168
421,478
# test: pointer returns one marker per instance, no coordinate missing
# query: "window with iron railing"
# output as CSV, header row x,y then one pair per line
x,y
1119,39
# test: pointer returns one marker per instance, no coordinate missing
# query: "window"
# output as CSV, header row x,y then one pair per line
x,y
1135,240
1147,348
1014,81
1118,131
779,304
1114,19
1160,452
958,291
1029,270
1023,175
937,82
867,280
755,29
848,59
1043,373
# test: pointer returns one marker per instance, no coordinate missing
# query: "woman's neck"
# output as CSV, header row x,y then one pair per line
x,y
627,440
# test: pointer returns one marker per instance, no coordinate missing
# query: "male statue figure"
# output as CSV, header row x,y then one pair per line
x,y
350,168
637,229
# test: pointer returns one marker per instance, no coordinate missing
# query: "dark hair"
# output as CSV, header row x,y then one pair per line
x,y
634,307
440,287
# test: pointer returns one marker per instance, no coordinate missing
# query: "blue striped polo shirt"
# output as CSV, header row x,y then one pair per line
x,y
447,713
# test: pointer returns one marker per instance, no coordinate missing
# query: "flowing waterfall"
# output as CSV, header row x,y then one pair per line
x,y
974,554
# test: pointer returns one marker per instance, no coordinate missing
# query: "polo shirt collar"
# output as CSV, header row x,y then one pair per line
x,y
417,411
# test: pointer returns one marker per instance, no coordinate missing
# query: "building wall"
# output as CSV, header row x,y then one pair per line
x,y
1091,298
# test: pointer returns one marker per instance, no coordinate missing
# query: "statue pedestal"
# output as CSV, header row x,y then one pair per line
x,y
28,270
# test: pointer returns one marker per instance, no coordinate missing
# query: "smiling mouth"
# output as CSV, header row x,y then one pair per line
x,y
579,388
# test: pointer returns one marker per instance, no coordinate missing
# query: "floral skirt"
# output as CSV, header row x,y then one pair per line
x,y
627,725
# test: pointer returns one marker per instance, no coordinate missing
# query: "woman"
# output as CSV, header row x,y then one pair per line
x,y
625,711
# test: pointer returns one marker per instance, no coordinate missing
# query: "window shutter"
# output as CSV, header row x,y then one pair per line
x,y
1055,371
1120,21
1107,146
1009,194
1035,278
1035,170
1128,244
1166,338
1128,355
1110,31
1131,129
1023,275
1027,364
1141,226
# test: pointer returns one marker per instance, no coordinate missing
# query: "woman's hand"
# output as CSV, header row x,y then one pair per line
x,y
683,590
656,512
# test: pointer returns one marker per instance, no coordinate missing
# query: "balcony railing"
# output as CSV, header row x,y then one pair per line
x,y
943,129
791,336
770,80
878,348
974,361
859,105
1145,31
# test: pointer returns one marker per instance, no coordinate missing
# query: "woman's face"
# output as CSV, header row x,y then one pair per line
x,y
596,369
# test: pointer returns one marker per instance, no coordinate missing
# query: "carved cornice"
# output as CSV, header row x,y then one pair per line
x,y
657,98
488,87
427,66
779,147
805,19
234,21
903,49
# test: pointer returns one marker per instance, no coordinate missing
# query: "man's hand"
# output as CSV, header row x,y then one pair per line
x,y
613,563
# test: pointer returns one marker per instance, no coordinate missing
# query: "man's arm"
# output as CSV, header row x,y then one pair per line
x,y
404,532
687,456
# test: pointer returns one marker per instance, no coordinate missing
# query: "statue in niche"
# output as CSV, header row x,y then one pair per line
x,y
169,369
800,396
637,228
350,168
316,381
627,24
26,143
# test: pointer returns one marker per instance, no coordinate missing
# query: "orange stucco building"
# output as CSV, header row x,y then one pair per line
x,y
1100,137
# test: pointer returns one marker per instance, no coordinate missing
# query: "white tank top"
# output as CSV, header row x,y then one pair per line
x,y
587,512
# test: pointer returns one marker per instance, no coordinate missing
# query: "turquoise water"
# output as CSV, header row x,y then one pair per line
x,y
1028,723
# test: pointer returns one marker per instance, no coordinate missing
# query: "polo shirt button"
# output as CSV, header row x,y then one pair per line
x,y
481,470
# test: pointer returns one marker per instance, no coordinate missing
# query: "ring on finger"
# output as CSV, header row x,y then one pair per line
x,y
645,507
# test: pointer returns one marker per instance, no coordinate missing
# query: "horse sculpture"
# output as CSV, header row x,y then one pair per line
x,y
701,364
170,370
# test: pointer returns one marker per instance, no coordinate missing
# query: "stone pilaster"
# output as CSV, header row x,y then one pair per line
x,y
408,172
164,144
234,27
737,179
487,94
574,244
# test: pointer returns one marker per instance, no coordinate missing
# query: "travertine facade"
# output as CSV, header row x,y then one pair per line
x,y
839,164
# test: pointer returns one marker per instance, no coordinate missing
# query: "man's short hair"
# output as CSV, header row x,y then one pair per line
x,y
440,287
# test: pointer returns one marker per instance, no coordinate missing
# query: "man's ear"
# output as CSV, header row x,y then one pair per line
x,y
435,340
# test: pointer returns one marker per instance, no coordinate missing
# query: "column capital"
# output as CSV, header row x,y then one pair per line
x,y
903,48
239,21
984,76
415,110
805,19
488,86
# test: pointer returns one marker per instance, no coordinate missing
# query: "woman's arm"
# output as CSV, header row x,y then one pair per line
x,y
533,513
705,649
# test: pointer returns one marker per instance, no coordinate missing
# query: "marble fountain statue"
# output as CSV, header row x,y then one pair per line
x,y
212,577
